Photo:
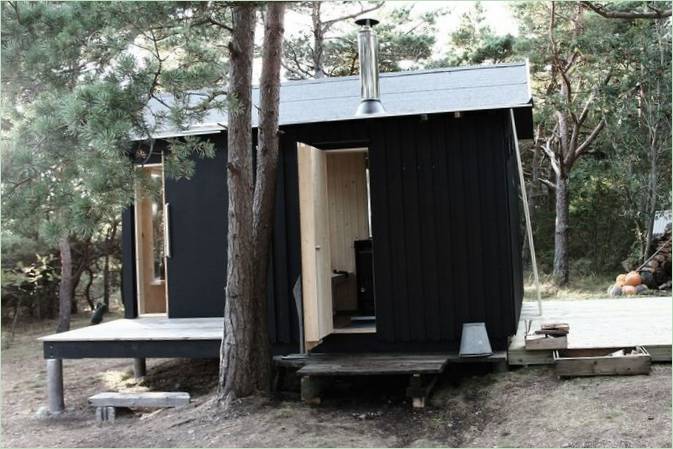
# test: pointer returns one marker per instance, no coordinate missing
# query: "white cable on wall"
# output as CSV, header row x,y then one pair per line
x,y
529,228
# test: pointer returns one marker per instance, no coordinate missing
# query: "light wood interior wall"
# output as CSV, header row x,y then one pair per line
x,y
347,192
348,218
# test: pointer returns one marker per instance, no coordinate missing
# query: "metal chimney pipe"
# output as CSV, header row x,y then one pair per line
x,y
368,46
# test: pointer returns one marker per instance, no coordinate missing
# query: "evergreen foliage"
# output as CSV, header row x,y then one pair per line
x,y
77,78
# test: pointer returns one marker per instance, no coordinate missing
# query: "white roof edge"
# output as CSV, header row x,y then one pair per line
x,y
402,73
212,128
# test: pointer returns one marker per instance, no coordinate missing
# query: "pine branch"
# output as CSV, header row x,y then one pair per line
x,y
326,25
548,183
602,11
546,147
220,24
587,142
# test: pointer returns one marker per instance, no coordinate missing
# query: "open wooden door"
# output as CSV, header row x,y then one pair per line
x,y
316,277
151,244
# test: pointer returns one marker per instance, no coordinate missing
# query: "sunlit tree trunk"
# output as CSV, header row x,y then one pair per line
x,y
65,287
236,377
265,182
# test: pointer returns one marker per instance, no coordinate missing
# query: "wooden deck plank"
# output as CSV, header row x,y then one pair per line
x,y
600,323
150,328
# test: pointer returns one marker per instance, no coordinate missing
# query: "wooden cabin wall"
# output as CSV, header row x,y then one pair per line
x,y
196,270
285,266
441,227
198,229
516,223
444,206
129,286
445,231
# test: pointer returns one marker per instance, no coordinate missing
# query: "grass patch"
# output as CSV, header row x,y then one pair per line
x,y
579,287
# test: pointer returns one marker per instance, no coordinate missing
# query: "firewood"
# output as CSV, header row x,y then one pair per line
x,y
556,326
551,332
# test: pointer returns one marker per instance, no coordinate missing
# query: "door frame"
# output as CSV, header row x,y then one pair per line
x,y
139,218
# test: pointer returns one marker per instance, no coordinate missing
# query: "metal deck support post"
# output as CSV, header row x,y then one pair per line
x,y
139,368
55,403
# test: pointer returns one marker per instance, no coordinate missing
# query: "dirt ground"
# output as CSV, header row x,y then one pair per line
x,y
527,407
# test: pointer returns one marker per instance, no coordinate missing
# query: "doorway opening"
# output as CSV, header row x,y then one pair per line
x,y
336,238
150,211
350,241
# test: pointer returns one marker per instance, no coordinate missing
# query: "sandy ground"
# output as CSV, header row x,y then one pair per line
x,y
528,407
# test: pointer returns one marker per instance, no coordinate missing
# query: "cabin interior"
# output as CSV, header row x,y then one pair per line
x,y
150,244
336,233
335,219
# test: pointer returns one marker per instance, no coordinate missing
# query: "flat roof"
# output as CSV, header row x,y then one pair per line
x,y
469,88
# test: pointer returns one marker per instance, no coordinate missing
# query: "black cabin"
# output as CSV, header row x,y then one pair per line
x,y
392,229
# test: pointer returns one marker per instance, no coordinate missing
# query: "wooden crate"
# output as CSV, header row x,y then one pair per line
x,y
535,342
599,362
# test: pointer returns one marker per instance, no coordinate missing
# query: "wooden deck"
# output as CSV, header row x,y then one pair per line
x,y
600,323
151,328
147,336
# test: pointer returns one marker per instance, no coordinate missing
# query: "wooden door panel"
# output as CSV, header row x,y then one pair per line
x,y
315,244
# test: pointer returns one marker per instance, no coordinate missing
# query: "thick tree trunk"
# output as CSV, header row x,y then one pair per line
x,y
561,269
65,288
265,181
106,265
651,191
87,289
236,362
106,280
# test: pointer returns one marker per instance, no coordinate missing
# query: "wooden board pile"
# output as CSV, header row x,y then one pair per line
x,y
656,272
549,336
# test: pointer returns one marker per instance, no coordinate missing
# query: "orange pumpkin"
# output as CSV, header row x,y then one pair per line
x,y
633,278
628,290
621,280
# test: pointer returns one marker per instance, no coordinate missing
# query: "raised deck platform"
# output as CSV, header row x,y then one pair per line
x,y
593,324
600,323
147,336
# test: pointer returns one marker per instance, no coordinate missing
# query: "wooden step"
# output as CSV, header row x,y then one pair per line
x,y
150,399
363,365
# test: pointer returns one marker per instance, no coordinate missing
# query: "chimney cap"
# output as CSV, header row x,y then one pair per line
x,y
365,21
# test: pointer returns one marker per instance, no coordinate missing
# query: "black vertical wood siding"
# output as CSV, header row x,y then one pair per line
x,y
196,270
445,222
129,286
444,236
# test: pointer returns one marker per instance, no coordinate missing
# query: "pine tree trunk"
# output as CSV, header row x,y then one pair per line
x,y
106,281
651,193
106,266
318,40
236,361
87,289
65,287
265,181
561,269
